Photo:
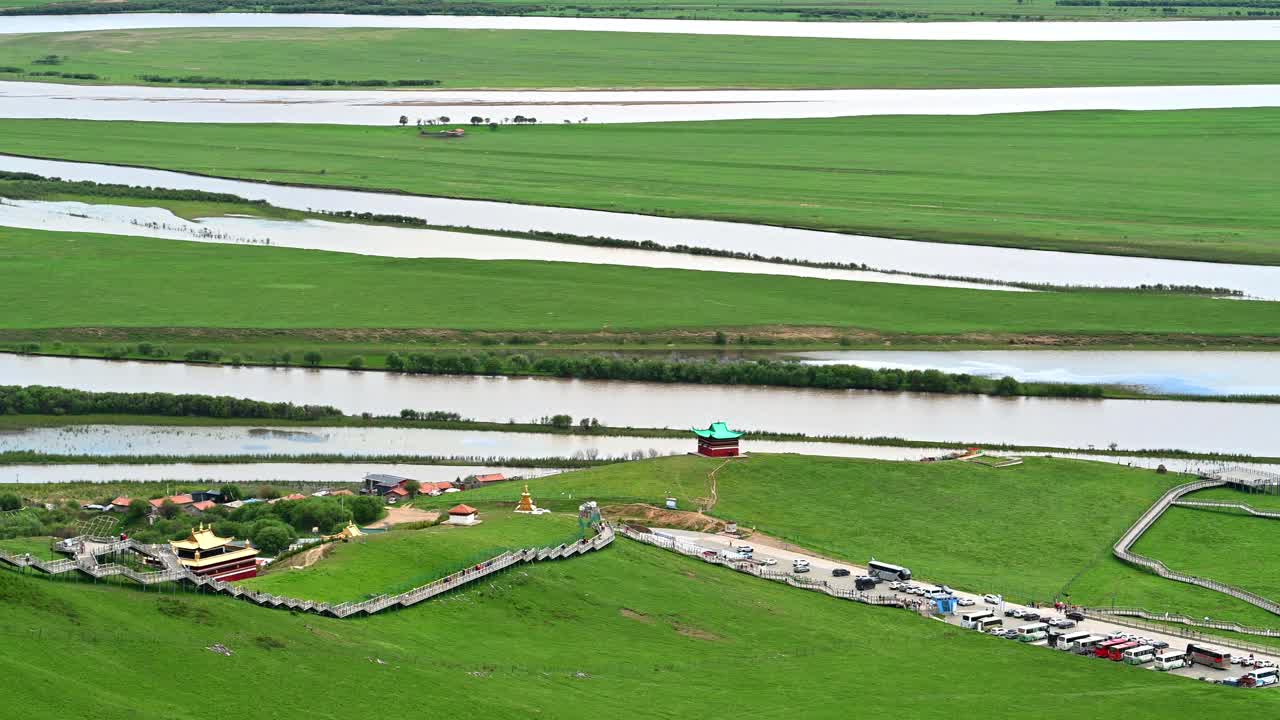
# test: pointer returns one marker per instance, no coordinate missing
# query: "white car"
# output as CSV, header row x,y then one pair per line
x,y
768,561
965,602
991,599
895,585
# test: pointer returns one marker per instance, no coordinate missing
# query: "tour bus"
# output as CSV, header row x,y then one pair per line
x,y
1104,648
1260,678
1140,655
1115,653
887,571
1208,656
1170,660
971,620
989,623
1032,632
1068,641
1086,645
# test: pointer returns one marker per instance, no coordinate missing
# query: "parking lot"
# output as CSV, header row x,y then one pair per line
x,y
820,569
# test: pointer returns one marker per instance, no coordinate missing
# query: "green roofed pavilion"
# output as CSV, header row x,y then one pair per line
x,y
717,431
717,441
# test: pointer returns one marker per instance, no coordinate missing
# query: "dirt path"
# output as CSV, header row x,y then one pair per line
x,y
402,515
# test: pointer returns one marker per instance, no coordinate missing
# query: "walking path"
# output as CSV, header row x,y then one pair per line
x,y
86,552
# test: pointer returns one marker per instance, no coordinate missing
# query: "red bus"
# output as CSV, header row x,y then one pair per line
x,y
1104,649
1116,652
1208,656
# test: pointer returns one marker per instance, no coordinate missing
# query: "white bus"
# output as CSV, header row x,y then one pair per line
x,y
1261,678
1140,655
1086,645
887,571
989,623
1068,641
971,620
1032,632
1170,660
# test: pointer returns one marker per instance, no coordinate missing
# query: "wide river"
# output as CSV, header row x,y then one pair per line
x,y
384,107
1192,373
1015,31
1130,424
973,261
247,472
401,242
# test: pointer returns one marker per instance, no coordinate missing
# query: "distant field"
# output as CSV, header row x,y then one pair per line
x,y
522,59
916,10
39,547
71,280
1127,183
975,528
396,561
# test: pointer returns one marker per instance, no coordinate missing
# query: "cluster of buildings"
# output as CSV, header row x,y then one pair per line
x,y
200,501
393,488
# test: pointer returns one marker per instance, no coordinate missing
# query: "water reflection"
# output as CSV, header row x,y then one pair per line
x,y
384,107
1006,264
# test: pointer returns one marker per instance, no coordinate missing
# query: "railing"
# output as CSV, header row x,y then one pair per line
x,y
756,569
1137,618
87,553
1122,548
1227,506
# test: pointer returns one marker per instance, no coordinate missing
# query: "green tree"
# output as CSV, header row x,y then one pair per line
x,y
394,361
137,512
1008,386
312,358
230,493
413,487
272,537
168,510
9,501
365,509
356,362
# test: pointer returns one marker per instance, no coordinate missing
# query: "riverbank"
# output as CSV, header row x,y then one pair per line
x,y
515,59
1007,187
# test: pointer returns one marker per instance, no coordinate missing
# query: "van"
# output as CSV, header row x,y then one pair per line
x,y
1032,632
1140,655
1170,660
864,583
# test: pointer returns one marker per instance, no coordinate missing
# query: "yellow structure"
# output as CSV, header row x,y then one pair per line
x,y
205,553
347,533
526,505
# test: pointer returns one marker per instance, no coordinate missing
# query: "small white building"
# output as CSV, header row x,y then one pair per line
x,y
462,515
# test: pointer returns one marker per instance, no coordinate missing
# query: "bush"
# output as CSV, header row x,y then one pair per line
x,y
366,509
312,358
272,537
9,501
356,363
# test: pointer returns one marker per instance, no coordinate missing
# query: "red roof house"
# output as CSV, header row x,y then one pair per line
x,y
175,499
462,515
491,478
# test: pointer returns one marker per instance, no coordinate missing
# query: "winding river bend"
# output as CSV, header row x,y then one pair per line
x,y
975,261
1130,424
384,107
1014,31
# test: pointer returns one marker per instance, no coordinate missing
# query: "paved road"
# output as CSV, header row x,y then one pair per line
x,y
822,567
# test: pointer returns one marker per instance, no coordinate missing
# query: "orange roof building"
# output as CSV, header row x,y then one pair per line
x,y
462,515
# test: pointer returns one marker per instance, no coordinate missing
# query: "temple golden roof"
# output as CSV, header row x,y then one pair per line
x,y
201,538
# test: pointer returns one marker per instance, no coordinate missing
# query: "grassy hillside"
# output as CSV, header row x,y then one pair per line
x,y
396,561
1103,182
519,59
69,280
1030,532
630,632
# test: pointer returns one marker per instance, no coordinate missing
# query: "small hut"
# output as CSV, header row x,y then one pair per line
x,y
462,515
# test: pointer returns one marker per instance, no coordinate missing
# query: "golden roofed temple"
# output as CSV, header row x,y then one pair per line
x,y
205,553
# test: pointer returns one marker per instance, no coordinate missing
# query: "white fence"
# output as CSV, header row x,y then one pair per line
x,y
87,551
752,568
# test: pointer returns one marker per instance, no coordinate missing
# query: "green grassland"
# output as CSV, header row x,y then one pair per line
x,y
1129,183
39,547
72,280
629,632
890,10
529,59
1260,501
1030,532
398,560
1235,549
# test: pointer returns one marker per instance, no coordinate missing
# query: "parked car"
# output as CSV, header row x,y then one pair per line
x,y
1159,644
895,585
1030,615
840,572
768,561
1013,612
1068,624
1075,615
1115,635
800,568
744,550
965,602
991,599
